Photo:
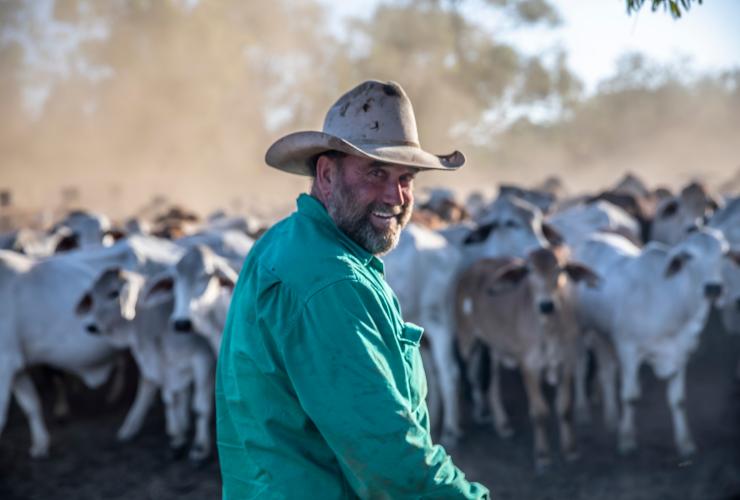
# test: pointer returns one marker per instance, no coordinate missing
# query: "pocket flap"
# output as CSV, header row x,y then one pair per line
x,y
411,333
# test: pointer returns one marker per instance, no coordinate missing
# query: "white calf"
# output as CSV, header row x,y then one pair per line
x,y
653,305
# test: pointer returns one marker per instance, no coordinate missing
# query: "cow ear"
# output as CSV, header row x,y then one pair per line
x,y
226,276
84,305
669,210
552,235
676,263
734,256
158,289
512,274
68,242
579,272
115,234
479,234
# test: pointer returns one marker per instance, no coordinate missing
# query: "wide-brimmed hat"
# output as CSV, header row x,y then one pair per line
x,y
373,120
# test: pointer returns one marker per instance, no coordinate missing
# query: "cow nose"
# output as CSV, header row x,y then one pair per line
x,y
93,329
712,290
183,325
547,307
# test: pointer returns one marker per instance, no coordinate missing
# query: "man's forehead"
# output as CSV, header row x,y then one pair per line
x,y
368,163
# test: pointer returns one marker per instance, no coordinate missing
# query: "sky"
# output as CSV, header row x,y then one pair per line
x,y
596,32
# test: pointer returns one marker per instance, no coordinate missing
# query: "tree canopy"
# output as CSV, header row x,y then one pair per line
x,y
675,7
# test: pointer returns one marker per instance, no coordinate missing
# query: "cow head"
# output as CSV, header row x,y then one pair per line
x,y
512,227
203,283
110,302
698,260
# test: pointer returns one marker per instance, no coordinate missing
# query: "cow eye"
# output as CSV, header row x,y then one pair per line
x,y
113,295
511,224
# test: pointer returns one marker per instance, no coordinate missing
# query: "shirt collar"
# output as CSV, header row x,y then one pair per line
x,y
313,209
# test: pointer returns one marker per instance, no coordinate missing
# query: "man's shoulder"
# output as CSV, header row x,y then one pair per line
x,y
304,256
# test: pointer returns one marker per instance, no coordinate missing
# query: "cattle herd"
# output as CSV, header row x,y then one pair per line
x,y
562,288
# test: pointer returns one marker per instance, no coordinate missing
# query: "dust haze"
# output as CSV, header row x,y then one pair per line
x,y
179,101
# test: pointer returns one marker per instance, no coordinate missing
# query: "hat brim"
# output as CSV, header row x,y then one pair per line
x,y
294,153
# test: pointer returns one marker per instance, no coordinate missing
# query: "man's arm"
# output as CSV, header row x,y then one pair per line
x,y
346,366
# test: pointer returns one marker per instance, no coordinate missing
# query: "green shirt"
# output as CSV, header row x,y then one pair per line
x,y
320,388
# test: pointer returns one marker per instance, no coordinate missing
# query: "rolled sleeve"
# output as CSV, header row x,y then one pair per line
x,y
347,367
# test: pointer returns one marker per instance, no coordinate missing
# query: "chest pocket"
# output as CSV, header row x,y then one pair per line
x,y
410,338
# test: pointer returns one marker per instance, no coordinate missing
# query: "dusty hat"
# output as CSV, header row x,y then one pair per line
x,y
374,120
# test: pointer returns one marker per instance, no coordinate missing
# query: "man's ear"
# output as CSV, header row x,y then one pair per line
x,y
325,176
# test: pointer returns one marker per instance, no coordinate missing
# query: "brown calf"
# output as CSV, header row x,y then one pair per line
x,y
523,311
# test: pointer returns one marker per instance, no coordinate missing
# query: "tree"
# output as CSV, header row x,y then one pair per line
x,y
673,6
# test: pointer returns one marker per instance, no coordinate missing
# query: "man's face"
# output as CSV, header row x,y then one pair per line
x,y
371,201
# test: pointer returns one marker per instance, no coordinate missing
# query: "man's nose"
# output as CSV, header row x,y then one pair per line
x,y
395,194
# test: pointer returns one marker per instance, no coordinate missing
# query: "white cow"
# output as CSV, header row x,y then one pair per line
x,y
676,216
115,309
579,222
38,325
653,305
421,271
727,220
201,285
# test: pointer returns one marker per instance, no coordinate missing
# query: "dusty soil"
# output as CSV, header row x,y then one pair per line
x,y
87,463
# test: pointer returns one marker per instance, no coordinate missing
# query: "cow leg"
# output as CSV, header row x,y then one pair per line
x,y
500,418
564,405
6,384
203,371
583,408
28,399
145,393
434,401
449,379
61,402
175,408
630,393
538,413
607,368
119,380
473,370
676,392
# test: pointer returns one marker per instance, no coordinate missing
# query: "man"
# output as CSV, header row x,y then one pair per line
x,y
320,387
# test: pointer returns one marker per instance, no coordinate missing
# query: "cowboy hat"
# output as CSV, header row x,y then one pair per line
x,y
373,120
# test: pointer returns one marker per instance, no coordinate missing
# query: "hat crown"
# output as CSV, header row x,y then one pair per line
x,y
374,113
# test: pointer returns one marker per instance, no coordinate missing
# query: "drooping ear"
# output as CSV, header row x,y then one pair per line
x,y
158,289
580,272
129,297
669,210
734,256
226,276
480,234
552,235
84,306
68,242
511,274
116,234
676,263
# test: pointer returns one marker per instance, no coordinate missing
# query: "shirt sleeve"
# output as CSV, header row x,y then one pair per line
x,y
344,365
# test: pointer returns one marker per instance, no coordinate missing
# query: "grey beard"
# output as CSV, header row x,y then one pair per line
x,y
354,221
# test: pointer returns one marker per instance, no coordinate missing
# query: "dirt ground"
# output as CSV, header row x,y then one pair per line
x,y
87,463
